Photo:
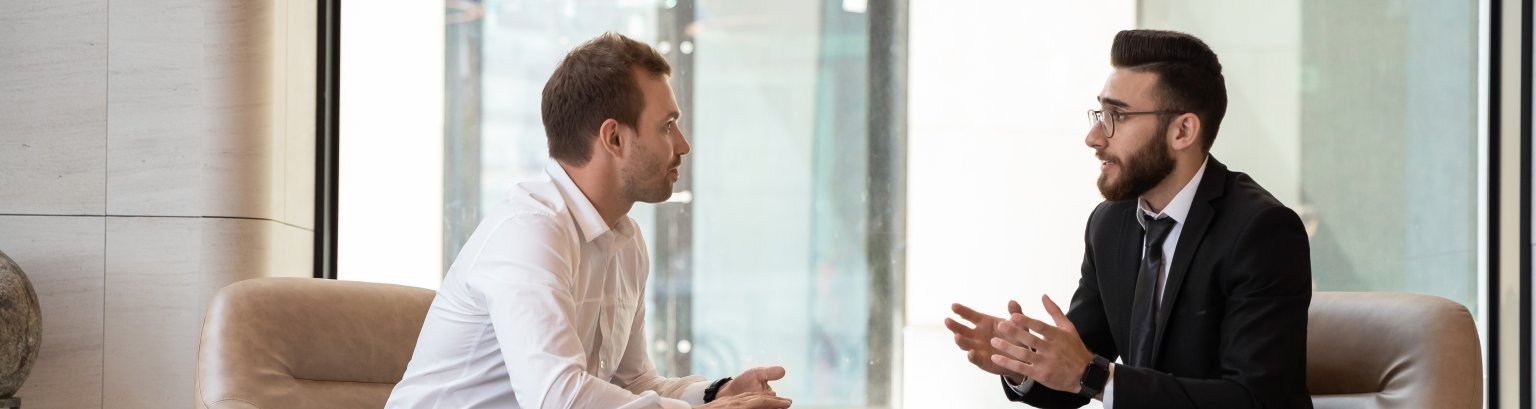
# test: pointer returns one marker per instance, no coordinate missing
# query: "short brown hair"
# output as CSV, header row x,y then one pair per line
x,y
594,82
1188,74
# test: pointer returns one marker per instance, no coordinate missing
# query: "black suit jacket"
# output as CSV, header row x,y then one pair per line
x,y
1235,303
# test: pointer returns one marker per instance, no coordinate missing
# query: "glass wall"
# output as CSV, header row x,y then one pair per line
x,y
1364,116
761,255
846,184
781,195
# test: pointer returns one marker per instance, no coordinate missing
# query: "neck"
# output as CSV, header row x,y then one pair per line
x,y
1183,171
602,188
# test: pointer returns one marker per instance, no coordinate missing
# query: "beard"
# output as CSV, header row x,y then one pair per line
x,y
643,183
1147,166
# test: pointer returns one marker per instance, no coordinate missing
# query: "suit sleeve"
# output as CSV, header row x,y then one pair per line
x,y
1087,314
1267,277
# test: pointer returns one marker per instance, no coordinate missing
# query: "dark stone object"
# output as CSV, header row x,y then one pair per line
x,y
21,326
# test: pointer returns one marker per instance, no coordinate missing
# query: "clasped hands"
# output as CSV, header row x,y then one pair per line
x,y
1021,348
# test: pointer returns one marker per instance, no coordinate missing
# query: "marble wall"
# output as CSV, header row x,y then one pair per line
x,y
151,152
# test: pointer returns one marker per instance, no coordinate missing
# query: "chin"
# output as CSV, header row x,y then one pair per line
x,y
660,196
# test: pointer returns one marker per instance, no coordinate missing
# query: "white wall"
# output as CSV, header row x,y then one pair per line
x,y
390,188
1000,184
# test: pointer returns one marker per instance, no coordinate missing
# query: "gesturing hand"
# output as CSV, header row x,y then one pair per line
x,y
753,380
750,400
1056,358
977,342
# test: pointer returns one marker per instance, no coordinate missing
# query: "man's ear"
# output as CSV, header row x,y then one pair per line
x,y
1184,131
609,139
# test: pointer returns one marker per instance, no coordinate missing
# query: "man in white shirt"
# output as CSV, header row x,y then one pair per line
x,y
545,305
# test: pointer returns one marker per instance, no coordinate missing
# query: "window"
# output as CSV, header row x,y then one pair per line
x,y
1368,119
859,165
764,253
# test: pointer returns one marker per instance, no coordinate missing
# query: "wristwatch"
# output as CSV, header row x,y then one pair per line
x,y
714,389
1094,377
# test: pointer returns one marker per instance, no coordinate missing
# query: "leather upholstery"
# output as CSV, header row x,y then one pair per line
x,y
1389,350
310,343
306,343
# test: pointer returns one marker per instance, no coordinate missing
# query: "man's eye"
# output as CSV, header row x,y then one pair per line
x,y
1118,117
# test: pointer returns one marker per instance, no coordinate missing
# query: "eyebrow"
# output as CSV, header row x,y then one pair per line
x,y
1114,102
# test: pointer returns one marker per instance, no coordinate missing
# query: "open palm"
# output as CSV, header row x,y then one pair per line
x,y
976,339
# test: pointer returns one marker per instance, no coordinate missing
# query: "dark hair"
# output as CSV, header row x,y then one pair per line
x,y
1188,73
594,82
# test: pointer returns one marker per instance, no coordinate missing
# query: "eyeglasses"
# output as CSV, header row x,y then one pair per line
x,y
1099,116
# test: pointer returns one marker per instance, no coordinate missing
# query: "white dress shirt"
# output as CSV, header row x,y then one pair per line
x,y
543,308
1178,210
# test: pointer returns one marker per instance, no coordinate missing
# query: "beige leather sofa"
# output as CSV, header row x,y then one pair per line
x,y
1390,350
299,343
306,343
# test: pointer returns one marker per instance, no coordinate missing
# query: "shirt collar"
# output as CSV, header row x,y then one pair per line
x,y
587,218
1178,208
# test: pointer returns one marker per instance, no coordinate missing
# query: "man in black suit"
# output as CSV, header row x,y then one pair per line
x,y
1193,275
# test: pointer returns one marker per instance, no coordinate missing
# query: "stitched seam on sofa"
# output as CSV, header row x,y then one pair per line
x,y
231,400
340,381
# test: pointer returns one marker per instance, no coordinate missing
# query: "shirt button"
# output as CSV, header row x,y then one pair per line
x,y
602,364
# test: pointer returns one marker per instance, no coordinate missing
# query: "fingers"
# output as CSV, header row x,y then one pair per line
x,y
967,343
976,357
771,402
1016,352
1013,365
1014,308
1056,315
757,400
1010,332
965,338
958,328
967,313
769,373
1038,326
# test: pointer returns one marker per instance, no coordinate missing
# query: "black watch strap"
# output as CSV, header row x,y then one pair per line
x,y
1095,376
714,389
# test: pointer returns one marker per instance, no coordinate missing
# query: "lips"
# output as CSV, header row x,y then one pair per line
x,y
1105,162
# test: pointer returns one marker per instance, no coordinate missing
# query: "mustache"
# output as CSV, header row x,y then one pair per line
x,y
1104,156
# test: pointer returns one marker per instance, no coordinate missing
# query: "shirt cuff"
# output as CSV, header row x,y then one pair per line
x,y
694,393
1021,388
1109,389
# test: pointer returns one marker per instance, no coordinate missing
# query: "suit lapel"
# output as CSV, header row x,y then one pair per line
x,y
1212,186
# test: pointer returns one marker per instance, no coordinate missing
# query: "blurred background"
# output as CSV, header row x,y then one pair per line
x,y
858,165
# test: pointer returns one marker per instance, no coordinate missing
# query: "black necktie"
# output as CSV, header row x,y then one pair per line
x,y
1144,310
